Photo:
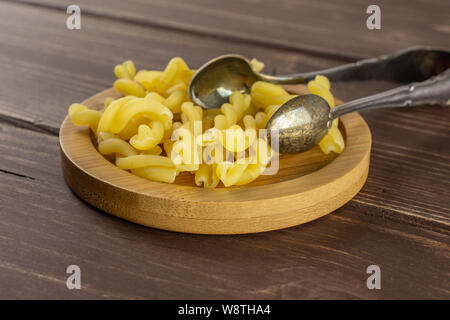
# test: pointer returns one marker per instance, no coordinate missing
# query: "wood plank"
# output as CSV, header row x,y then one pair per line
x,y
329,28
409,157
410,160
44,228
410,165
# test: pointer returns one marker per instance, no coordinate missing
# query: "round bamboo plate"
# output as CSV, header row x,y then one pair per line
x,y
306,187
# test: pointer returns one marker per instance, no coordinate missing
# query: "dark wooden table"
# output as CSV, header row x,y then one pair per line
x,y
399,221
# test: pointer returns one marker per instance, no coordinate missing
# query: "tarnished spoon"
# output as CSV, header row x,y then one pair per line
x,y
214,82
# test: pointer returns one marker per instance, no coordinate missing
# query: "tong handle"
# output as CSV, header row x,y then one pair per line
x,y
406,66
435,90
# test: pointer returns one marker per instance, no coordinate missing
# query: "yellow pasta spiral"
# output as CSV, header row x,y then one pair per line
x,y
266,94
333,141
148,79
125,83
115,118
148,137
256,65
125,70
150,166
206,175
232,112
81,115
175,70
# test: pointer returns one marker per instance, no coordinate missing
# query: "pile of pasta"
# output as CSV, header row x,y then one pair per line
x,y
156,132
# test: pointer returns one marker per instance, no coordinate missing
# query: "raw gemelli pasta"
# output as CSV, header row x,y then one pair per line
x,y
155,131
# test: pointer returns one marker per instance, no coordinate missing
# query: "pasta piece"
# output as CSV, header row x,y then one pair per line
x,y
143,160
217,154
333,141
155,151
251,173
116,145
102,136
140,107
248,170
129,87
238,140
321,87
161,174
184,152
230,173
261,120
174,68
125,70
186,75
81,115
178,86
148,136
264,94
206,175
155,96
174,100
148,79
256,65
232,112
132,126
110,113
125,82
192,117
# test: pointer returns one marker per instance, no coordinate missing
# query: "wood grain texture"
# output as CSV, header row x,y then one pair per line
x,y
35,48
328,28
73,65
45,228
293,196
